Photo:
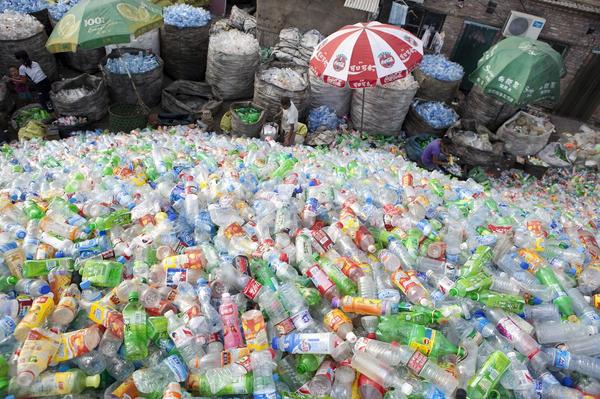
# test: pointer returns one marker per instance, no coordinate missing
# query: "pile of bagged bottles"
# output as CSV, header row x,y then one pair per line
x,y
169,264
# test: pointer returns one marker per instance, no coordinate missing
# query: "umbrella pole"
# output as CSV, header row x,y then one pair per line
x,y
362,112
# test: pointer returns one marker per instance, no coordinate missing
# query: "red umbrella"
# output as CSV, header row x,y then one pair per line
x,y
364,54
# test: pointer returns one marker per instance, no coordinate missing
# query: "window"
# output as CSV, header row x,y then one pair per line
x,y
419,18
560,47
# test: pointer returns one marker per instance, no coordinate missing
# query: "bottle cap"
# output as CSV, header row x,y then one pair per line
x,y
201,281
44,289
134,296
460,394
12,280
85,284
25,378
92,381
21,234
275,343
335,302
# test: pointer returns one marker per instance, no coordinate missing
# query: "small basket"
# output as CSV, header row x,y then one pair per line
x,y
127,117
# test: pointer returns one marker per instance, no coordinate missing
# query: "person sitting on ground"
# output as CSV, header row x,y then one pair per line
x,y
41,84
19,85
289,121
434,154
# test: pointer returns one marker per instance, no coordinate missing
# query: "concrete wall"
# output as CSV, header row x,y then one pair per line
x,y
326,16
562,25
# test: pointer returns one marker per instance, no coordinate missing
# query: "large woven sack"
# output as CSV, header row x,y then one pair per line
x,y
488,110
7,102
238,127
415,125
186,97
35,47
268,96
384,107
336,98
121,86
184,51
434,89
524,144
94,106
231,75
470,155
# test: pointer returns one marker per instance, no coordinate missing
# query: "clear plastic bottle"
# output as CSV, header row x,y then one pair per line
x,y
379,372
153,379
556,331
342,384
262,366
582,364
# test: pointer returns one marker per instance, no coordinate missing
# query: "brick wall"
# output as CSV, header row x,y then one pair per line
x,y
562,25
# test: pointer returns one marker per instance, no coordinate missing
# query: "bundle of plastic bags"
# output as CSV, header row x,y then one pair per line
x,y
17,26
186,16
132,63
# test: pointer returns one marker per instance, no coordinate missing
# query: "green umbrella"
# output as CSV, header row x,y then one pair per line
x,y
520,71
96,23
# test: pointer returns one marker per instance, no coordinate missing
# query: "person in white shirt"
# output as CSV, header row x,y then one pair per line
x,y
33,71
289,121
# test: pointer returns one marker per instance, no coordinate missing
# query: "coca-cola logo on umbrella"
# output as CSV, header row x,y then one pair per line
x,y
339,63
386,60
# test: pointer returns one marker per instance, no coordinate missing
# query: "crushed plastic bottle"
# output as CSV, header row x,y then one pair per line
x,y
438,66
186,16
17,26
436,114
134,63
175,263
58,9
23,6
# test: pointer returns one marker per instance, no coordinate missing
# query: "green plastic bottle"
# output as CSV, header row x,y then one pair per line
x,y
343,283
284,168
33,210
561,300
423,317
308,363
136,331
310,295
426,340
475,262
472,283
7,283
510,303
263,273
482,384
117,218
198,385
102,273
41,267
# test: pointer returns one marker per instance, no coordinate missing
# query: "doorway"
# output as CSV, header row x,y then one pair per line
x,y
475,40
583,95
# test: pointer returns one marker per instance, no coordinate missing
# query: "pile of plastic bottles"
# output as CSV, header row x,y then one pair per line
x,y
60,8
248,115
437,114
322,116
439,67
23,6
186,16
234,42
134,63
163,262
72,95
285,78
70,120
17,26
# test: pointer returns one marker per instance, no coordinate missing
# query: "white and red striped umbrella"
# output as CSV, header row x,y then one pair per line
x,y
363,54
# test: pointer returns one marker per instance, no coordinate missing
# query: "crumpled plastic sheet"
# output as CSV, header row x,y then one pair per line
x,y
186,16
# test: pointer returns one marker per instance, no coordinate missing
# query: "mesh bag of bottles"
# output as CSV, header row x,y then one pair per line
x,y
525,134
385,107
83,60
231,64
247,119
84,95
474,144
438,78
29,35
275,81
121,85
416,124
488,110
336,98
184,51
186,97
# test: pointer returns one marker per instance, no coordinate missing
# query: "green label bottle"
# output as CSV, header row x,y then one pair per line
x,y
482,384
136,330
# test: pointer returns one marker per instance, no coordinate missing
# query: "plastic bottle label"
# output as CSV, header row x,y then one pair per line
x,y
7,325
177,368
445,285
335,318
252,289
285,327
363,306
562,359
508,329
319,279
416,362
322,239
424,344
181,335
403,281
72,345
307,343
302,320
270,395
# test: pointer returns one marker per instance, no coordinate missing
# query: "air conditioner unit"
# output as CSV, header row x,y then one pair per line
x,y
523,25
